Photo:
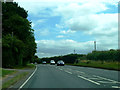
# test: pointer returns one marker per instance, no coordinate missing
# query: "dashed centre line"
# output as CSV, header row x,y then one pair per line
x,y
68,72
80,72
60,69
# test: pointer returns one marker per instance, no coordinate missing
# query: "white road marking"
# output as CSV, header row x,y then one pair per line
x,y
68,72
69,69
89,80
106,79
28,79
105,82
115,87
95,78
60,69
80,72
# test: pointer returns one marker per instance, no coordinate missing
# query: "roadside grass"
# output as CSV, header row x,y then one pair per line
x,y
28,66
7,72
14,80
99,64
0,72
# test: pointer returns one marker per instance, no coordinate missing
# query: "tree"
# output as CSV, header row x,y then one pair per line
x,y
19,48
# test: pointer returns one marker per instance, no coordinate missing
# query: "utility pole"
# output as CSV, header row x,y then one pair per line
x,y
74,51
94,45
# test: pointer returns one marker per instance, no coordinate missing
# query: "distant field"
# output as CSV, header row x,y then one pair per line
x,y
99,64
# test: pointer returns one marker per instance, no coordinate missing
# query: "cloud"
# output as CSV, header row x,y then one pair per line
x,y
66,1
33,24
47,48
52,47
107,25
60,36
41,20
86,17
67,32
42,32
59,26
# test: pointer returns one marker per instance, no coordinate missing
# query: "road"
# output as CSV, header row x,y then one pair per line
x,y
52,76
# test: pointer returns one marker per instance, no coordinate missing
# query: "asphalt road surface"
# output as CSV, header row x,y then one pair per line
x,y
52,76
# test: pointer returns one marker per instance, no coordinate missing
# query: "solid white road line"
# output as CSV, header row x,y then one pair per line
x,y
89,80
115,87
106,79
28,78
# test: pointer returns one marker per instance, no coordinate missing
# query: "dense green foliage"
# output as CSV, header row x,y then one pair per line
x,y
70,58
18,39
110,55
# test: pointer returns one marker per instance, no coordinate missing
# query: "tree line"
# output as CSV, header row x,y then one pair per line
x,y
70,58
108,55
18,42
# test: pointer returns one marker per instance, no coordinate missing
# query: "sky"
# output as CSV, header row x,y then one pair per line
x,y
64,25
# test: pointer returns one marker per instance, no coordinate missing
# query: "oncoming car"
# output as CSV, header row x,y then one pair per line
x,y
60,63
44,62
52,62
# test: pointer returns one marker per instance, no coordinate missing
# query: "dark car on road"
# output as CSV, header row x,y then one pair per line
x,y
60,63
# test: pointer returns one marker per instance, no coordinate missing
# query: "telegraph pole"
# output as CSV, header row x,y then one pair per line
x,y
94,45
74,51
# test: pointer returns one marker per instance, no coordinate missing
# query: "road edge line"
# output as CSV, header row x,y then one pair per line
x,y
28,78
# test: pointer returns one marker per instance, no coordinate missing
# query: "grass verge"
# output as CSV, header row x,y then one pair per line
x,y
99,64
14,80
28,66
7,72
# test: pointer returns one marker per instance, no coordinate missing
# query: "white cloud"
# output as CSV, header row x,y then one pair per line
x,y
33,24
64,1
41,20
60,36
42,32
52,47
77,15
62,47
59,26
67,32
107,25
84,17
37,6
71,10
